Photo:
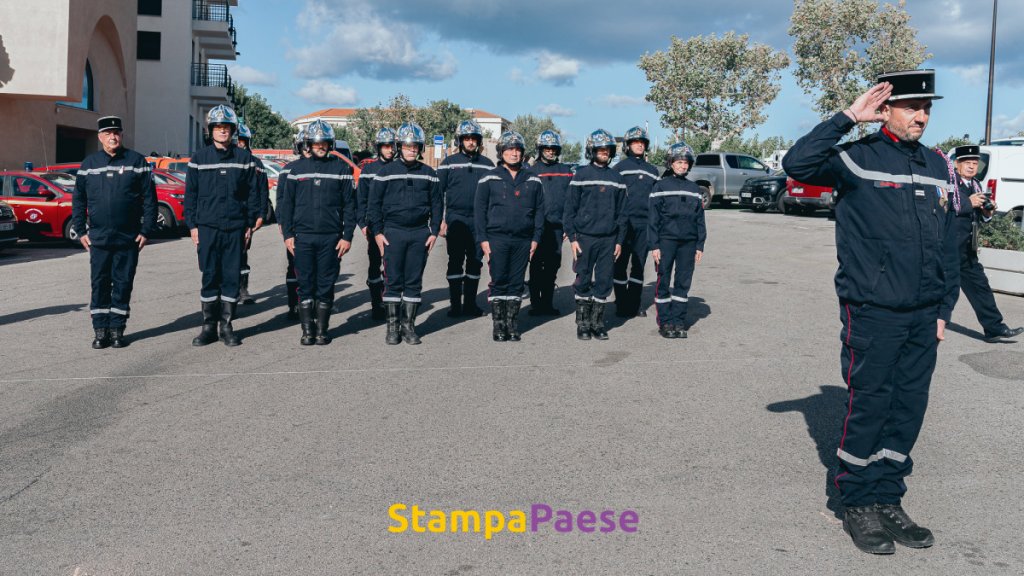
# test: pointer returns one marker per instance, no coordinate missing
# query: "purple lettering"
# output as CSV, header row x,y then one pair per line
x,y
608,519
564,522
536,517
628,521
585,521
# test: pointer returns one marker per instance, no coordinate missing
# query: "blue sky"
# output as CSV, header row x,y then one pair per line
x,y
577,63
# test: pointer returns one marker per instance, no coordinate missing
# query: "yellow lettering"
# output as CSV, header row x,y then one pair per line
x,y
494,522
437,522
395,513
517,521
465,516
416,515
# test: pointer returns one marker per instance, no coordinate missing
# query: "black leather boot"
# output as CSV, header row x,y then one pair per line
x,y
666,331
864,525
597,321
306,321
102,339
209,334
512,320
323,322
409,310
227,332
622,307
902,529
455,298
679,331
117,339
393,310
243,292
376,302
583,319
498,321
469,307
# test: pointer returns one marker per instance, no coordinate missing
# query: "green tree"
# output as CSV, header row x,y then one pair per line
x,y
365,122
572,152
441,117
269,128
953,141
530,127
713,87
841,46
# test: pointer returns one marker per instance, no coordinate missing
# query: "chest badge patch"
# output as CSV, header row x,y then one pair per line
x,y
121,171
316,182
517,193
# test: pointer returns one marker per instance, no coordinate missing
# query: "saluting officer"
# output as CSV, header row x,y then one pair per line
x,y
114,192
969,205
898,280
403,214
459,175
222,204
244,140
509,222
640,176
385,144
592,222
318,217
555,177
677,233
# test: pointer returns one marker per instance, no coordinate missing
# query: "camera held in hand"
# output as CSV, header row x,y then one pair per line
x,y
988,205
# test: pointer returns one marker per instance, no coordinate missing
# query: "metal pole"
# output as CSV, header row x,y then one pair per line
x,y
991,75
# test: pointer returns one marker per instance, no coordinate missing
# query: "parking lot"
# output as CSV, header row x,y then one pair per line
x,y
274,458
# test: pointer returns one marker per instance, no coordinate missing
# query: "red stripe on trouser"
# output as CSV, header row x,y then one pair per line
x,y
849,384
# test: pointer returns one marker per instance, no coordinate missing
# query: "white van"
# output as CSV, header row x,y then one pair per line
x,y
1001,173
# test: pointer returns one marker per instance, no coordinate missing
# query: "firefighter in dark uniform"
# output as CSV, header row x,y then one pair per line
x,y
290,281
114,192
973,208
318,217
459,175
898,280
244,140
544,265
593,211
639,176
509,217
677,233
404,213
385,144
222,204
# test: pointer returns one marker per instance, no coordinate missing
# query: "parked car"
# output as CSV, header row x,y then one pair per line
x,y
805,198
1001,173
760,194
721,175
168,163
8,225
67,168
41,202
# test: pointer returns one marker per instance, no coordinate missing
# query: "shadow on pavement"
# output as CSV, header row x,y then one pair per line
x,y
40,312
823,413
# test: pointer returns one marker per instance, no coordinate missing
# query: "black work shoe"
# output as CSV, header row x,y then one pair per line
x,y
102,339
902,529
208,335
679,331
117,339
583,319
1006,332
864,525
393,310
666,331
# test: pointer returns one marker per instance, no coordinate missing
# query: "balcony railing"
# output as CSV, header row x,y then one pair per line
x,y
211,75
215,12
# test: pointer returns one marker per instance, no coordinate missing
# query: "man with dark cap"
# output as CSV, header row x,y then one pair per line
x,y
898,279
973,207
114,192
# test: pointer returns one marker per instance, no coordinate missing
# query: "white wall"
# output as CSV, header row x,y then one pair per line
x,y
35,38
163,97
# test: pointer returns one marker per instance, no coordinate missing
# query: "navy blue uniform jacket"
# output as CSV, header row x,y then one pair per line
x,y
405,196
367,177
509,208
318,198
676,212
116,195
595,204
555,177
222,189
459,174
895,241
639,176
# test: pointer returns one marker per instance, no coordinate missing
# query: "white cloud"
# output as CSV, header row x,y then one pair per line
x,y
1003,126
554,110
353,37
327,93
618,101
975,75
556,68
250,76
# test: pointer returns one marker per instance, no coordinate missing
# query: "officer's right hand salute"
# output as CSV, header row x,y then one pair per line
x,y
866,107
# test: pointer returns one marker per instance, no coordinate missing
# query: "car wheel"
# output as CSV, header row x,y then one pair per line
x,y
69,232
706,197
165,222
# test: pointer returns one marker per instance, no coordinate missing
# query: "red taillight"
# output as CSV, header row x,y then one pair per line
x,y
990,187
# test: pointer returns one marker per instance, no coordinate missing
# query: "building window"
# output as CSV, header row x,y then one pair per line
x,y
150,7
86,103
148,47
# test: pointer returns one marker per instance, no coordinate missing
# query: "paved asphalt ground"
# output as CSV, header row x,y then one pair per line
x,y
272,458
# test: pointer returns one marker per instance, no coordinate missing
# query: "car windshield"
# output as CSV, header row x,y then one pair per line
x,y
982,167
64,181
272,168
177,174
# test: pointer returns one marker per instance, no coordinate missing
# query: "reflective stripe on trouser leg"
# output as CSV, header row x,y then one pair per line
x,y
220,260
887,361
124,265
662,290
100,263
317,266
685,253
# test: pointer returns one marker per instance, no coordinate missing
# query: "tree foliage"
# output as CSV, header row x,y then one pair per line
x,y
953,141
269,128
713,87
841,46
441,117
